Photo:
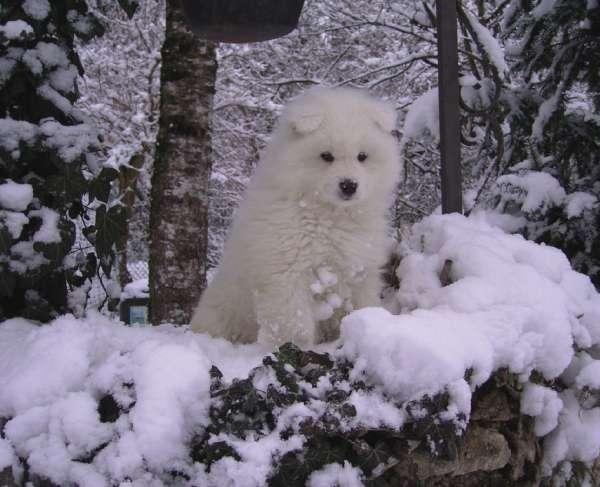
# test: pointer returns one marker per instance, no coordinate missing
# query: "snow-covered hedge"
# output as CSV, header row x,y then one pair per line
x,y
92,402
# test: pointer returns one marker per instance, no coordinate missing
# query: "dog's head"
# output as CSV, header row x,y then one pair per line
x,y
336,146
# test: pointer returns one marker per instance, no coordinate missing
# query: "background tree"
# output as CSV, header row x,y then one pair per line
x,y
50,175
179,211
551,166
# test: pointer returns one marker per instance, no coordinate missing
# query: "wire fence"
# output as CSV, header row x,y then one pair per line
x,y
97,297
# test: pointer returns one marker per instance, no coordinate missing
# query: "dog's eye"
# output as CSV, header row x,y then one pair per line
x,y
362,157
327,156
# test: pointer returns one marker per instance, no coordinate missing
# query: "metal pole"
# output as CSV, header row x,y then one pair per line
x,y
449,107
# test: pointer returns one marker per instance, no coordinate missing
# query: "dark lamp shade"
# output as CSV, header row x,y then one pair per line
x,y
242,20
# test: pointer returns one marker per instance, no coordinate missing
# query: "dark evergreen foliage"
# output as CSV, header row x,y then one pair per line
x,y
553,119
46,143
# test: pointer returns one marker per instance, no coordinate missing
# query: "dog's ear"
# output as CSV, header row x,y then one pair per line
x,y
305,124
384,118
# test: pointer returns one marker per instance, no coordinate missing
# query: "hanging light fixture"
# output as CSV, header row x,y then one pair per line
x,y
242,20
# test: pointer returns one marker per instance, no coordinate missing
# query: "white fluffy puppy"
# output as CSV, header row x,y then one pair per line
x,y
309,239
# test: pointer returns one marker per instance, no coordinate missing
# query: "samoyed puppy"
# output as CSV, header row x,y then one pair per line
x,y
309,240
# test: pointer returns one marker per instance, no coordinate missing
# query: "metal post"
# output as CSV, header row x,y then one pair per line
x,y
449,107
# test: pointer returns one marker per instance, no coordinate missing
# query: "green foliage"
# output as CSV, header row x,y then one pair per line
x,y
45,144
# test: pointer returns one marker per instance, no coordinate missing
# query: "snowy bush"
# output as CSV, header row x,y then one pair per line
x,y
537,205
50,176
552,116
483,316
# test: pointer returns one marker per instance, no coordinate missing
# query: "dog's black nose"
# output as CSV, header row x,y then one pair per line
x,y
348,187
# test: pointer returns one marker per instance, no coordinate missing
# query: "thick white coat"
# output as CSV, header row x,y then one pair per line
x,y
299,256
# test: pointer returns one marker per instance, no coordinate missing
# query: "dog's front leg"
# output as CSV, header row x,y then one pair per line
x,y
367,292
284,315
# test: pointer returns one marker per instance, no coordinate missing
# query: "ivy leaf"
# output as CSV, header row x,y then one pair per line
x,y
66,187
54,252
89,233
110,226
7,282
101,185
5,240
91,264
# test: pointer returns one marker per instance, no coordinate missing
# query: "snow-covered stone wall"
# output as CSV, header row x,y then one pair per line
x,y
96,403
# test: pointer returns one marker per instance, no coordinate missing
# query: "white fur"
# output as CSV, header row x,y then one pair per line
x,y
298,255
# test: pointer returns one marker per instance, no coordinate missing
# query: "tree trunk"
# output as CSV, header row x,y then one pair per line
x,y
179,208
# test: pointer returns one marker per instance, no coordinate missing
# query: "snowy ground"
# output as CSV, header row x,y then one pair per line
x,y
472,300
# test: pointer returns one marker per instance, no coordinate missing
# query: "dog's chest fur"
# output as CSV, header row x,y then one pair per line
x,y
342,240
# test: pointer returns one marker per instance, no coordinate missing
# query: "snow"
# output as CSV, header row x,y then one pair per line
x,y
423,115
48,232
374,412
170,400
40,365
543,8
50,436
45,55
36,9
589,376
326,302
256,456
336,475
51,378
491,45
15,196
518,292
533,190
24,257
579,201
577,436
13,221
547,108
542,403
50,94
13,132
6,68
327,277
414,354
80,23
63,79
71,141
14,29
136,289
7,457
503,302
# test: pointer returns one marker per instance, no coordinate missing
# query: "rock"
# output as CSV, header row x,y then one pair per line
x,y
483,450
7,479
492,406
